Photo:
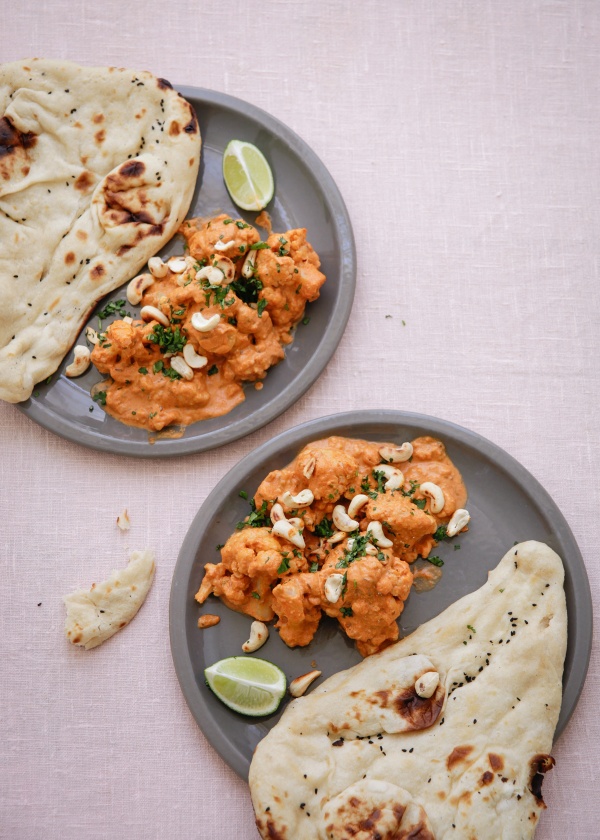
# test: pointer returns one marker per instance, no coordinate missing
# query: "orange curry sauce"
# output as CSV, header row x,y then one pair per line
x,y
256,316
265,576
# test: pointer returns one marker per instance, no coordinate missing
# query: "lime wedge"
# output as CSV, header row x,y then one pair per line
x,y
247,175
247,685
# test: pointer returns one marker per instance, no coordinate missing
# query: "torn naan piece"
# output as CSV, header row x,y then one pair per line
x,y
94,615
445,734
97,170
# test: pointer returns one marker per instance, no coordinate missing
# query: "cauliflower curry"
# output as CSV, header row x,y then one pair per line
x,y
335,533
211,320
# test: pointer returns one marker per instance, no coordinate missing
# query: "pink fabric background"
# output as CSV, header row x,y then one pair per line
x,y
464,138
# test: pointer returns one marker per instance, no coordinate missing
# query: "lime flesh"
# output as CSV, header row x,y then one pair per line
x,y
246,684
247,175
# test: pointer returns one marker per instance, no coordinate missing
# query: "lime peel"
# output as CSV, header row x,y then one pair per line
x,y
247,175
246,684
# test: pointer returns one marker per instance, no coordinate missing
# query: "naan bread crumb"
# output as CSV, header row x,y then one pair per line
x,y
94,616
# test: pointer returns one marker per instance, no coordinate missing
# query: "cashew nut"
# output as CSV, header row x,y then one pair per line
x,y
179,364
376,529
202,324
395,477
151,313
435,493
300,684
249,263
342,521
397,454
301,500
288,530
157,267
214,275
81,361
460,519
356,503
309,468
370,549
333,587
223,246
259,633
177,265
123,520
277,513
336,538
137,287
91,335
426,685
193,359
225,265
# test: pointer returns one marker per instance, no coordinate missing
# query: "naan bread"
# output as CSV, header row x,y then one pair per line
x,y
364,756
97,170
94,615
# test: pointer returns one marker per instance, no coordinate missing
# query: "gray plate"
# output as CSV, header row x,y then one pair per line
x,y
305,196
506,504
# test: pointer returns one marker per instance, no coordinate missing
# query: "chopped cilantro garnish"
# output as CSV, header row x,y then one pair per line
x,y
211,371
440,533
325,528
100,397
169,340
158,366
258,246
257,518
143,371
261,306
380,478
420,503
314,567
357,550
347,613
437,561
283,566
256,595
247,288
243,494
306,321
115,307
471,628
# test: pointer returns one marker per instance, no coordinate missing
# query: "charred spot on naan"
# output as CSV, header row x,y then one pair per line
x,y
14,145
124,199
539,765
417,712
374,809
459,755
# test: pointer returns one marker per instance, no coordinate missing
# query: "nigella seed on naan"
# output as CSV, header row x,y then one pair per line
x,y
97,171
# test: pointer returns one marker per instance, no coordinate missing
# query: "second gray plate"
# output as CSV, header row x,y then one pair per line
x,y
506,504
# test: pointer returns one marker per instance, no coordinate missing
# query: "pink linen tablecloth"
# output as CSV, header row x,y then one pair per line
x,y
464,138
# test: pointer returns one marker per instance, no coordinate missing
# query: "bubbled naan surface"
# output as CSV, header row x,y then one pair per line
x,y
97,171
473,765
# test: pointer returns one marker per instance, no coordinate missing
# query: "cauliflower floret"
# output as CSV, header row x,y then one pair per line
x,y
372,599
296,601
202,237
404,523
252,560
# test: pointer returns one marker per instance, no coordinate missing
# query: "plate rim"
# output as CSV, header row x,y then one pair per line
x,y
323,426
70,430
